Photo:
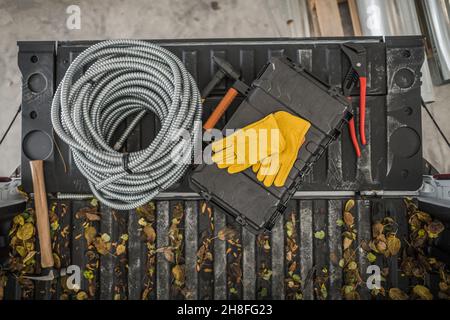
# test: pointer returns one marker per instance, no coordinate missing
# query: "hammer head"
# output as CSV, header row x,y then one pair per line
x,y
227,68
48,274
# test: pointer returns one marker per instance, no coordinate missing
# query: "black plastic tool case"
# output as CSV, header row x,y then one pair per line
x,y
392,159
282,86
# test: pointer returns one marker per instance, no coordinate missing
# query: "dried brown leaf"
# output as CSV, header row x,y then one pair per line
x,y
178,211
393,244
423,216
377,229
29,256
293,266
397,294
178,273
150,233
25,232
101,246
348,218
168,253
147,212
89,234
93,216
226,233
422,292
21,251
120,249
380,246
57,260
347,243
81,295
434,229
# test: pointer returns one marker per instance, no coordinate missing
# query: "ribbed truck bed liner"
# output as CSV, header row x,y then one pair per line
x,y
127,276
392,160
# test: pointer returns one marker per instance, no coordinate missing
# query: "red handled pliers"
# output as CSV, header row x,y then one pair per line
x,y
357,55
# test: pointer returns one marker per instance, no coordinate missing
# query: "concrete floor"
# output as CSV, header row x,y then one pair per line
x,y
151,19
435,150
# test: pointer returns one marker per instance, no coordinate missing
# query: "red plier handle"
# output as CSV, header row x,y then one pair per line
x,y
362,109
351,128
362,119
357,55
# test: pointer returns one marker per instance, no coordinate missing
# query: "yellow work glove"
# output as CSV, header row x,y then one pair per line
x,y
249,145
275,168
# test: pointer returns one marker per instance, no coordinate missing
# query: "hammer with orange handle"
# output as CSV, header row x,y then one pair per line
x,y
238,87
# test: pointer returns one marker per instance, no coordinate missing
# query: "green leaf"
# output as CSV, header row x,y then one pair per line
x,y
349,205
289,228
319,235
263,292
352,265
371,257
55,225
88,274
94,202
324,291
296,278
106,237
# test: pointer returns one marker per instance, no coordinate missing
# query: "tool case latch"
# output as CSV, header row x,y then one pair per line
x,y
241,220
205,195
334,91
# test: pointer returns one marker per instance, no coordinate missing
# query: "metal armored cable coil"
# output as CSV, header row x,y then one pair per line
x,y
120,80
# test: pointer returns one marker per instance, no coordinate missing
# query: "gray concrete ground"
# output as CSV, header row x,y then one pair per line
x,y
435,150
151,19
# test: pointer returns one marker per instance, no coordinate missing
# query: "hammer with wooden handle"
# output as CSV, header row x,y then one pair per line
x,y
238,87
41,209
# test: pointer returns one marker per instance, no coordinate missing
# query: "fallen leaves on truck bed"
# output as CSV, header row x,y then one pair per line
x,y
351,277
385,246
147,220
22,237
204,252
176,243
293,279
232,238
95,246
263,245
384,238
415,262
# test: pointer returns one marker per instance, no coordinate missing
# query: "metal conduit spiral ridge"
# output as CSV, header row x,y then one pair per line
x,y
123,79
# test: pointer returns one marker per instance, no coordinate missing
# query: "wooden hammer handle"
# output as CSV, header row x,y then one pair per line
x,y
41,209
220,109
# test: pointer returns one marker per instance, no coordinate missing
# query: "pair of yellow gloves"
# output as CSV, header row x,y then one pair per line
x,y
270,146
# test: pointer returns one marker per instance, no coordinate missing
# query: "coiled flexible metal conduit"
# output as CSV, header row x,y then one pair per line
x,y
125,79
